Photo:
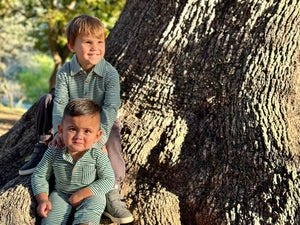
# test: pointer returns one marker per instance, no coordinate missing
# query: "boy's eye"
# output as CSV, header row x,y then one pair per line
x,y
87,131
72,129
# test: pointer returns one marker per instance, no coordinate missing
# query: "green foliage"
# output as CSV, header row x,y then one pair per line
x,y
51,16
49,19
35,77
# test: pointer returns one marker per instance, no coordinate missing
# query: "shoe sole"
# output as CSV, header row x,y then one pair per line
x,y
26,172
119,220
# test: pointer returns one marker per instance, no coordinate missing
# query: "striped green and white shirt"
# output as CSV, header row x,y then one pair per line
x,y
92,170
102,85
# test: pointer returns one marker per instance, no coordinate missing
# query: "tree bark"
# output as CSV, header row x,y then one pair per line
x,y
210,111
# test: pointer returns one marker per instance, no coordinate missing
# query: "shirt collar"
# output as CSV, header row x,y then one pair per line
x,y
66,156
75,68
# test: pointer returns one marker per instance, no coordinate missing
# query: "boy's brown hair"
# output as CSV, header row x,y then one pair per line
x,y
81,107
84,24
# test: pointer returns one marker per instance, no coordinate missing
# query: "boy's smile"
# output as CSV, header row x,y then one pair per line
x,y
89,50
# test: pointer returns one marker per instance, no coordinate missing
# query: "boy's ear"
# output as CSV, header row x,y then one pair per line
x,y
71,47
99,134
59,128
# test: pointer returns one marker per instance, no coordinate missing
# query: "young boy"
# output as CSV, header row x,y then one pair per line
x,y
83,174
87,75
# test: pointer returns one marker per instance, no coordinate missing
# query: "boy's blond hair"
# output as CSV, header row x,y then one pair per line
x,y
84,24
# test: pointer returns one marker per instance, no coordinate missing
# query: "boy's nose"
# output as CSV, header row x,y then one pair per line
x,y
78,135
93,47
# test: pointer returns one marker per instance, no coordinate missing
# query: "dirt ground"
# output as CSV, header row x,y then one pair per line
x,y
8,117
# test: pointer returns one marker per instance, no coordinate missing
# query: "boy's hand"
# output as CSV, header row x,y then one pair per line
x,y
44,208
76,198
57,139
104,149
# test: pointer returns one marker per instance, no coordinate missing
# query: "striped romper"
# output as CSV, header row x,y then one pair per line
x,y
92,170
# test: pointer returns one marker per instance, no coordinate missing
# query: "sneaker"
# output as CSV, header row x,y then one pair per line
x,y
116,209
35,158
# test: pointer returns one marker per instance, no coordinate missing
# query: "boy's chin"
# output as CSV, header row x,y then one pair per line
x,y
77,149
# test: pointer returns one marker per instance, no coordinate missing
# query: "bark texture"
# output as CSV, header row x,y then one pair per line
x,y
210,112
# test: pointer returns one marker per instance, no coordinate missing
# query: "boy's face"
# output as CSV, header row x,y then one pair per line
x,y
89,50
80,132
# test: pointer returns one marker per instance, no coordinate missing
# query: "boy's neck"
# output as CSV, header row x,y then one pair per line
x,y
89,70
76,155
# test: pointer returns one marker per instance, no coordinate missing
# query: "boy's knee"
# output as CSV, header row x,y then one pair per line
x,y
90,209
46,99
96,200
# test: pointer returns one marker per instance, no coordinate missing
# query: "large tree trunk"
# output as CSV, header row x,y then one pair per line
x,y
210,127
210,111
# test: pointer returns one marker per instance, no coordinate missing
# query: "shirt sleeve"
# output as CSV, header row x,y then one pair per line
x,y
42,173
112,101
61,98
105,175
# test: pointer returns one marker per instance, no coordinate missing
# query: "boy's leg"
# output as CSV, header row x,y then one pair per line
x,y
44,128
90,210
114,150
44,132
60,211
115,208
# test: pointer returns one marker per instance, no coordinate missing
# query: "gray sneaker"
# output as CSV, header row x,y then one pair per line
x,y
35,158
116,209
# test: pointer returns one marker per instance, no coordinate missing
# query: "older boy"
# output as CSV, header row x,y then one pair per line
x,y
88,75
83,174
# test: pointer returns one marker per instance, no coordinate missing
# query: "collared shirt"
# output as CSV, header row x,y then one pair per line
x,y
102,85
92,170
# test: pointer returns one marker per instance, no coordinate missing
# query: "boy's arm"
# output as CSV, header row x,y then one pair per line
x,y
40,184
44,205
61,98
41,197
42,173
76,198
112,102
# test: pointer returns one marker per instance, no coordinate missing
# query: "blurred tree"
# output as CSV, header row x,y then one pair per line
x,y
14,44
15,48
51,17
